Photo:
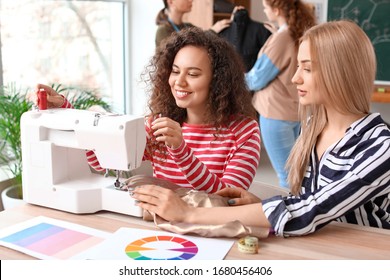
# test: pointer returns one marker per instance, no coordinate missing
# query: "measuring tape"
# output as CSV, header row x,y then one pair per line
x,y
248,245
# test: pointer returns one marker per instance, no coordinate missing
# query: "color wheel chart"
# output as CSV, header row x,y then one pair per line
x,y
51,239
134,244
161,247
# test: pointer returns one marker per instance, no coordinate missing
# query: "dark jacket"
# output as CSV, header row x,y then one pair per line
x,y
247,35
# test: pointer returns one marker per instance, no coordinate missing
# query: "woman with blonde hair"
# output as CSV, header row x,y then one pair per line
x,y
340,164
346,92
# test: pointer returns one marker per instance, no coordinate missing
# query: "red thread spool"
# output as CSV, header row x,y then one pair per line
x,y
42,99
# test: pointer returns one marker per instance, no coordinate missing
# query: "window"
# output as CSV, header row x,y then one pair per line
x,y
75,43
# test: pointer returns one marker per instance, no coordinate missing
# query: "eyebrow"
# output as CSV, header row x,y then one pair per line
x,y
189,68
305,61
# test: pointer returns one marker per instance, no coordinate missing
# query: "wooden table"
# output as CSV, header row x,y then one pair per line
x,y
381,94
335,241
381,97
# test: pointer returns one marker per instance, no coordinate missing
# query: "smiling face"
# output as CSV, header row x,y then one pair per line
x,y
190,79
304,77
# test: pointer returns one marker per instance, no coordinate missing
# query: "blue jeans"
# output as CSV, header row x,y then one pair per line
x,y
278,138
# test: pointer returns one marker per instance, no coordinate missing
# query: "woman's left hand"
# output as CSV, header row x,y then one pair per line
x,y
163,202
238,196
221,25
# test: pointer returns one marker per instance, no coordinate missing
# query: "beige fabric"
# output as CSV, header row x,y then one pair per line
x,y
196,199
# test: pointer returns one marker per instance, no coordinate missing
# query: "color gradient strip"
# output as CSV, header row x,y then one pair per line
x,y
52,240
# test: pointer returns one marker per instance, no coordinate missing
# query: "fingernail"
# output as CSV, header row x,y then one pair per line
x,y
231,201
131,193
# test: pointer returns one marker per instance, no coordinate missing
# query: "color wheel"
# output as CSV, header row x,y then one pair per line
x,y
161,248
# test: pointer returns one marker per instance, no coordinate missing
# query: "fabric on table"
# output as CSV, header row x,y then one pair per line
x,y
196,199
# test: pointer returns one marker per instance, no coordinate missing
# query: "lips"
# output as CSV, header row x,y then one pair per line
x,y
301,92
182,94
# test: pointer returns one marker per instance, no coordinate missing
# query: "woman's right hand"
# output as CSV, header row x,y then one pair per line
x,y
54,100
163,202
168,131
236,8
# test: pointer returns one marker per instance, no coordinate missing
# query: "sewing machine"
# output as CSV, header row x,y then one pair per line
x,y
56,173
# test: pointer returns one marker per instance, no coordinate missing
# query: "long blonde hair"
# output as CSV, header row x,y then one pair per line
x,y
344,68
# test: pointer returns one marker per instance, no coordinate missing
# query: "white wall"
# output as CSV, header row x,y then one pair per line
x,y
141,36
257,11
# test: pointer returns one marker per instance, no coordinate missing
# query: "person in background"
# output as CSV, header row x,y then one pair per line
x,y
246,35
275,97
340,164
202,131
170,19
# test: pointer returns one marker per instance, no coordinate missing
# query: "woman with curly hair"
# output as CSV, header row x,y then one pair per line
x,y
275,96
202,131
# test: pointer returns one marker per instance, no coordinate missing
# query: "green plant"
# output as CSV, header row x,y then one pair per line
x,y
82,98
13,103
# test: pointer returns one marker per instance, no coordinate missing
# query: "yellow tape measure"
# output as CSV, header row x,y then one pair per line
x,y
248,245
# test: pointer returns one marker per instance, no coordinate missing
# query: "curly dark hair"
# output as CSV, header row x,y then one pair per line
x,y
229,96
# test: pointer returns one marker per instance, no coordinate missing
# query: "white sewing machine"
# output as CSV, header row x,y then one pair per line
x,y
56,173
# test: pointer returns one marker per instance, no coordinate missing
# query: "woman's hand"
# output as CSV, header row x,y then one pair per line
x,y
238,196
169,206
163,202
225,23
168,131
270,26
220,25
54,100
236,8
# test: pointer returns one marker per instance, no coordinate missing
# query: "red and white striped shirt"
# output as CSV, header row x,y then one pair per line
x,y
66,104
205,161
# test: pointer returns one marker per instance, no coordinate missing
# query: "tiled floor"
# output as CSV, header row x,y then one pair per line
x,y
265,172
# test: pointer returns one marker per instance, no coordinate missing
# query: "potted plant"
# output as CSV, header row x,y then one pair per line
x,y
13,103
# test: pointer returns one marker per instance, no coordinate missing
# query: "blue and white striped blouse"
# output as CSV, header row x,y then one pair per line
x,y
350,183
